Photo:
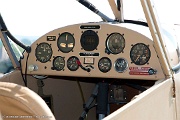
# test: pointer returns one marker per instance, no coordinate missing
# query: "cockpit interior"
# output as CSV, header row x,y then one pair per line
x,y
105,70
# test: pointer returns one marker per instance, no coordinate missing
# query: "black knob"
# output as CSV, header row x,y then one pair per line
x,y
152,71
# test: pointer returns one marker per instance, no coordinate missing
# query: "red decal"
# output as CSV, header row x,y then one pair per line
x,y
139,70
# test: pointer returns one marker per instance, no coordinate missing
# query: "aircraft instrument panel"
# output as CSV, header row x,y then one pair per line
x,y
102,50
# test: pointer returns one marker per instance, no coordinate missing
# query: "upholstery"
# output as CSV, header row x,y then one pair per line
x,y
21,103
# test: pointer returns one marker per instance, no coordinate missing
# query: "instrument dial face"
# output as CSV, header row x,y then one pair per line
x,y
58,63
89,40
120,65
104,64
43,52
140,54
66,42
72,63
115,43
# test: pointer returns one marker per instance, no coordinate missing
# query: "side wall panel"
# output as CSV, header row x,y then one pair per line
x,y
155,103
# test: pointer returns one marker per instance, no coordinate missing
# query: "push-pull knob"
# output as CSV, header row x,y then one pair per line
x,y
32,67
152,71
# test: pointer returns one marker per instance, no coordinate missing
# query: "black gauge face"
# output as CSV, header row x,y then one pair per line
x,y
104,64
43,52
140,54
66,42
58,63
89,40
115,43
72,63
120,65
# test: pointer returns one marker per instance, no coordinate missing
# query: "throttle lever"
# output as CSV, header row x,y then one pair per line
x,y
84,68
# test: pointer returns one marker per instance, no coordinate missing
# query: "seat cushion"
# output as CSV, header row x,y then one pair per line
x,y
22,103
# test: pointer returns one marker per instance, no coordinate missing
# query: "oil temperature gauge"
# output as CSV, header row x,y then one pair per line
x,y
104,64
72,63
58,63
120,65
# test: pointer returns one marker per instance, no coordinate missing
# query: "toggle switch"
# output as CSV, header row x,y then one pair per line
x,y
32,68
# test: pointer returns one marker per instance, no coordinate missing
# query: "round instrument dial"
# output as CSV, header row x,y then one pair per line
x,y
140,54
115,43
58,63
72,63
43,52
66,42
120,65
89,40
104,64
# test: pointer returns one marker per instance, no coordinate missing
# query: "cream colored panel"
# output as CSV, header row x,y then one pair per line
x,y
14,77
132,37
177,94
157,103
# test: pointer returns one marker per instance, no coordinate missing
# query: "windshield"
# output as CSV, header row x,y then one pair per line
x,y
35,18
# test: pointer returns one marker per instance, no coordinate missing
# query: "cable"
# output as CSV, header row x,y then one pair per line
x,y
26,70
80,89
91,7
82,95
24,78
21,71
89,103
5,30
136,22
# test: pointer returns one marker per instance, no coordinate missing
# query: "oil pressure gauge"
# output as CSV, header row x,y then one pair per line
x,y
104,64
72,63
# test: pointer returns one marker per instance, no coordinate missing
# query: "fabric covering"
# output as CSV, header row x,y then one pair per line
x,y
20,103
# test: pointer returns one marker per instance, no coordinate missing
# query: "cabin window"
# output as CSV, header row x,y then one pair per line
x,y
5,63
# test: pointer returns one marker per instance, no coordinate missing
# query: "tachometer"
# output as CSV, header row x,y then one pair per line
x,y
72,63
115,43
43,52
89,40
120,65
104,64
140,54
58,63
66,42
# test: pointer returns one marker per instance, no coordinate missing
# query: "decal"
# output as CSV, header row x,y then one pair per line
x,y
139,70
51,38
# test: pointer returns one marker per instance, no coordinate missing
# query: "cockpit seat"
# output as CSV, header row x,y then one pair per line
x,y
20,103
